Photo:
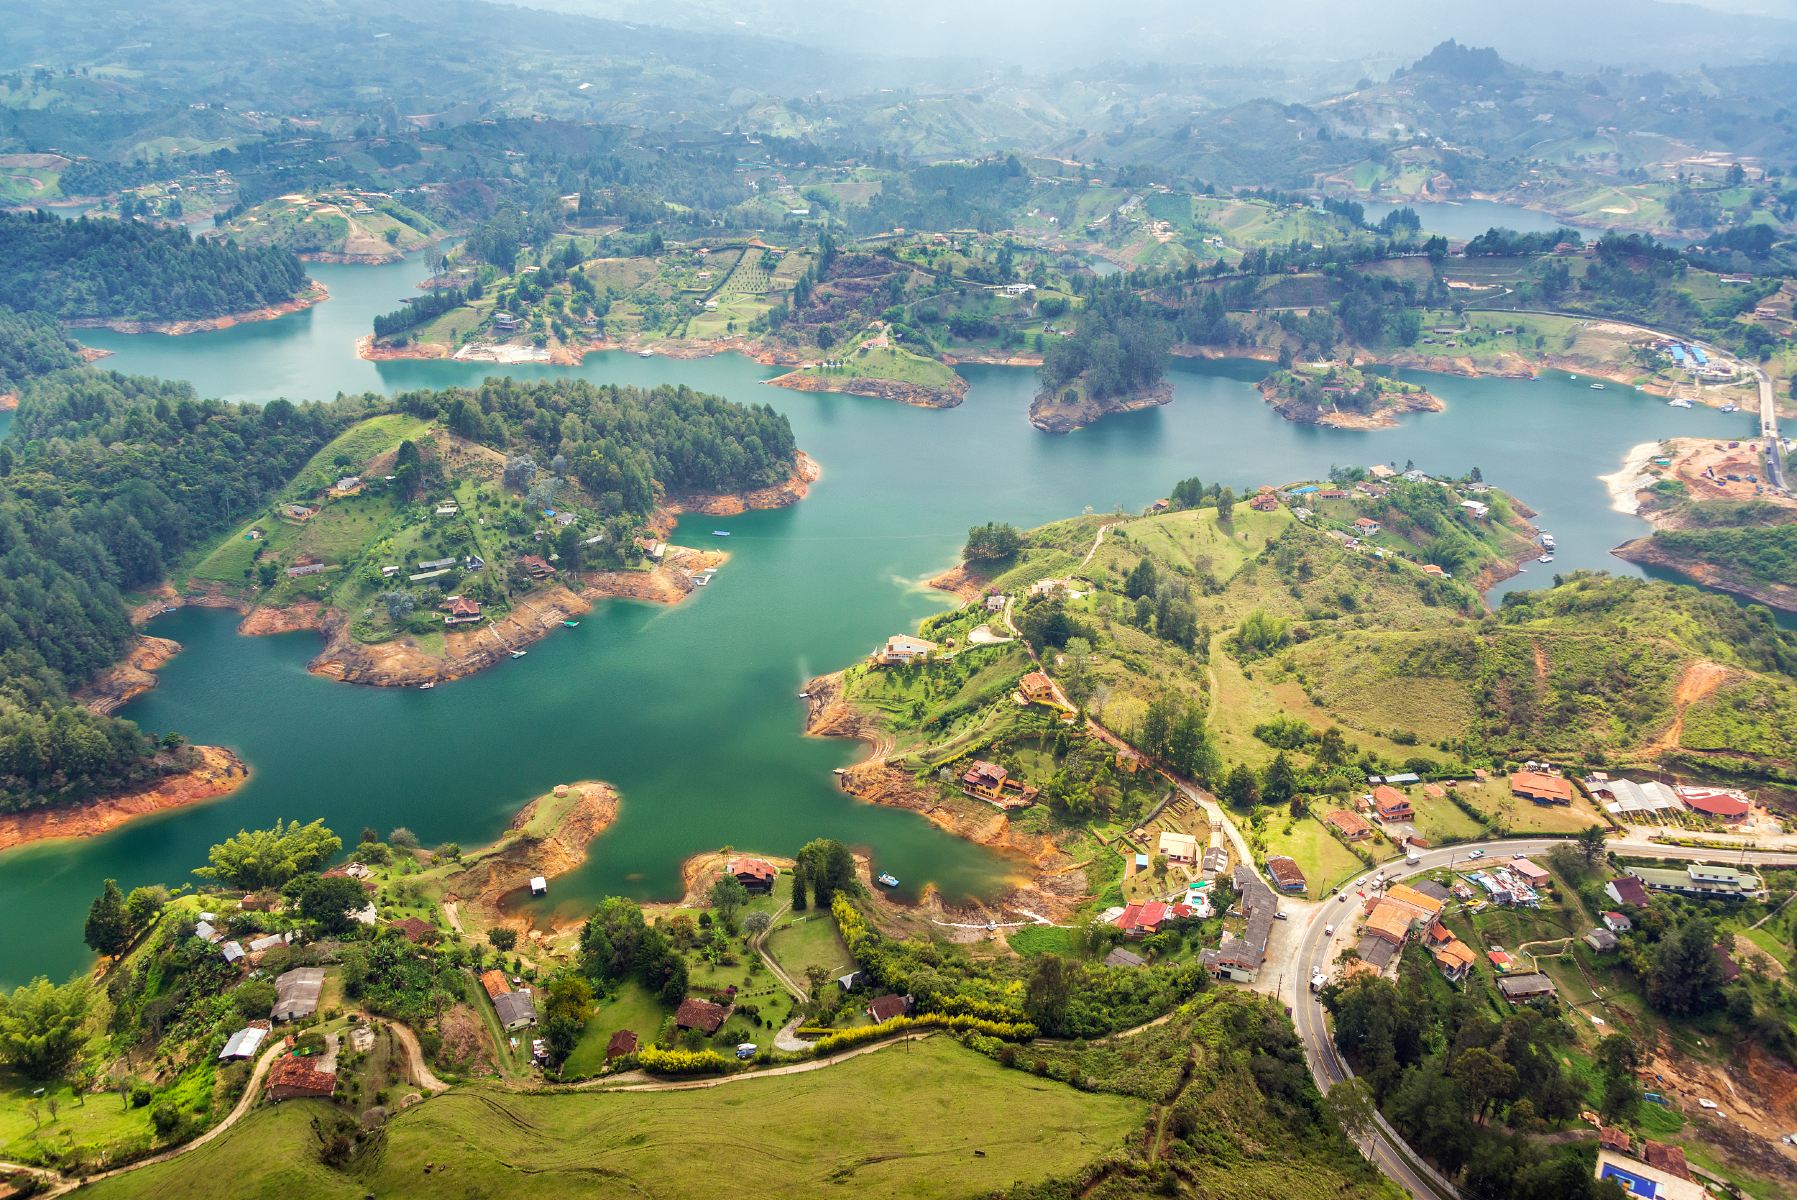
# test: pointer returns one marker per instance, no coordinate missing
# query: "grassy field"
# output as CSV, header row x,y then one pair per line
x,y
808,939
822,1134
633,1008
30,1133
1325,861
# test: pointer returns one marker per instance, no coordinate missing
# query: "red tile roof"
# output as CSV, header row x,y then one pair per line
x,y
1285,872
754,868
1714,803
885,1008
1670,1159
622,1042
495,982
299,1075
1533,784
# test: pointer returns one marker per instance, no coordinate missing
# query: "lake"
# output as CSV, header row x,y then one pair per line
x,y
1463,220
691,711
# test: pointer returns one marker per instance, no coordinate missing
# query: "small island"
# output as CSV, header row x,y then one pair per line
x,y
1114,362
1342,396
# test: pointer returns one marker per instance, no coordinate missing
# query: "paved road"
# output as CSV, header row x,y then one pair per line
x,y
1330,926
1775,477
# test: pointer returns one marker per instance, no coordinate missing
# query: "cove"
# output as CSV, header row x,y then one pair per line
x,y
692,711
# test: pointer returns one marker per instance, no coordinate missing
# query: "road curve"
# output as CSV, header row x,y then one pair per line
x,y
1385,1147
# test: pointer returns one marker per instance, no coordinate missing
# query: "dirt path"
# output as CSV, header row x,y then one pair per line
x,y
414,1053
1699,680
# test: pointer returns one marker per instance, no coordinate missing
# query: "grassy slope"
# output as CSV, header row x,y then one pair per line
x,y
903,1121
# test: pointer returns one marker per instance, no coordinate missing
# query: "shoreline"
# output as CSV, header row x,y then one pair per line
x,y
1385,417
1050,415
315,293
216,773
549,836
917,395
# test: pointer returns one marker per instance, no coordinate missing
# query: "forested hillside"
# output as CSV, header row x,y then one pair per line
x,y
104,479
621,442
99,269
31,344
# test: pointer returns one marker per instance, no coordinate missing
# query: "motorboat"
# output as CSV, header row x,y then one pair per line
x,y
888,880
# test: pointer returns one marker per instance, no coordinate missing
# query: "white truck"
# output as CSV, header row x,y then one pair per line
x,y
1412,856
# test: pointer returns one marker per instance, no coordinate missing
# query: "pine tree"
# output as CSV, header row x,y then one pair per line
x,y
108,929
798,890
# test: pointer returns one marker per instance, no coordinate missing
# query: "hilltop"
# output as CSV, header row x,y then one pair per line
x,y
344,226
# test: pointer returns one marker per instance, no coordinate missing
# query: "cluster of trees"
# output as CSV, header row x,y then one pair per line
x,y
32,344
991,542
824,867
623,443
263,858
104,480
1756,553
618,944
92,268
424,308
115,920
1466,1088
1509,243
1163,603
1173,730
1118,349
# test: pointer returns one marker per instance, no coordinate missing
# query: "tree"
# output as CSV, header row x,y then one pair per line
x,y
1618,1057
1684,973
108,929
1590,841
270,857
756,924
1486,1080
330,903
502,938
611,939
143,905
727,896
1049,992
1350,1103
1240,788
1281,781
991,541
41,1027
565,1011
829,866
798,890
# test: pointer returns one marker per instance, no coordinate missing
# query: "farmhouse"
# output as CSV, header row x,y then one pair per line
x,y
1601,940
297,1079
992,783
1627,890
1365,526
1391,804
1352,826
515,1009
701,1015
622,1043
753,874
1531,986
536,566
1541,788
1179,847
884,1008
1286,873
296,993
461,611
244,1043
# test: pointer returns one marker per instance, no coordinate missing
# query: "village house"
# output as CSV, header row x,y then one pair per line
x,y
1725,804
1352,826
1287,875
1391,804
1179,847
301,569
1216,861
1700,879
623,1043
295,1078
1627,890
1119,957
1038,688
701,1015
245,1042
516,1010
1453,957
1617,922
1240,957
1601,940
885,1008
754,874
1541,788
460,610
536,566
1432,570
300,512
992,783
1365,526
901,649
1531,986
996,602
1264,502
1535,876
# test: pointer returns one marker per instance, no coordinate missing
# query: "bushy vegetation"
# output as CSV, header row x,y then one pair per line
x,y
32,344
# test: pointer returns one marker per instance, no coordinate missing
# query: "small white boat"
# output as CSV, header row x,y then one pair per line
x,y
1731,408
888,880
702,580
519,653
1597,387
1681,402
425,687
720,533
1545,558
645,354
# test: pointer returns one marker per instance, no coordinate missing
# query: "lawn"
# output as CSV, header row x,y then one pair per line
x,y
1524,817
28,1132
1324,860
1442,821
807,939
811,1135
633,1008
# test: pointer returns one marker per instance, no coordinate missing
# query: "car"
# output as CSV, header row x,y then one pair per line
x,y
1279,916
1477,854
1343,898
746,1050
1328,931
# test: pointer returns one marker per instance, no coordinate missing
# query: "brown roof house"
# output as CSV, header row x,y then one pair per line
x,y
297,1079
702,1015
885,1008
754,874
623,1043
1287,875
1352,826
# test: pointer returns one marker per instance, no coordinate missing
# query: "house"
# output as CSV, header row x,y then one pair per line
x,y
1612,1138
536,566
1627,890
1455,959
1119,957
901,649
437,564
1216,861
460,610
1179,847
205,932
1724,804
1617,922
539,886
1038,688
1435,791
1601,940
754,874
300,512
297,1079
1500,960
1365,526
505,320
1390,922
516,1010
701,1015
884,1008
1391,804
299,570
1265,502
415,930
1670,1159
1435,571
1532,986
1644,1181
1540,788
244,1043
1478,508
992,783
1137,921
263,945
1535,876
232,952
1700,879
1402,893
495,983
996,602
623,1043
1286,873
1241,956
349,485
1352,826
